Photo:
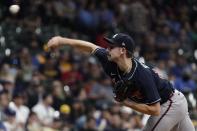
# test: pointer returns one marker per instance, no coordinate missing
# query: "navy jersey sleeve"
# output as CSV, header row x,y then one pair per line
x,y
148,87
101,55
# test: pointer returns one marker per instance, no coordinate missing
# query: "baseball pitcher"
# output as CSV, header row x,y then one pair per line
x,y
135,84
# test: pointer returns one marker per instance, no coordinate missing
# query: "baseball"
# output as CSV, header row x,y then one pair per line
x,y
14,9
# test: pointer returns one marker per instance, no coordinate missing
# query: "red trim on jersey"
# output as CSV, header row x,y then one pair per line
x,y
163,114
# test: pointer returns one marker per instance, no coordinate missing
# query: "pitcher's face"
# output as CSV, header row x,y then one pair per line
x,y
114,53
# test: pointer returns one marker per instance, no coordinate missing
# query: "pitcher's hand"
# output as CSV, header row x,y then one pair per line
x,y
54,43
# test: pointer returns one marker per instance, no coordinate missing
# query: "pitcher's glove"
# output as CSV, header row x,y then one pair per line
x,y
121,90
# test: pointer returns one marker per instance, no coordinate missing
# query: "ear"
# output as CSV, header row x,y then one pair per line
x,y
122,50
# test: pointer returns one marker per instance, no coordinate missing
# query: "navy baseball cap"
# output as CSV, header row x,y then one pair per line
x,y
121,40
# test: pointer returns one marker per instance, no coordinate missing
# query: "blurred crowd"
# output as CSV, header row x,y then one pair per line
x,y
66,89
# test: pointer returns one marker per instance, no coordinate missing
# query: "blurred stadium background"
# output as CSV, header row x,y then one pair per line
x,y
67,90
